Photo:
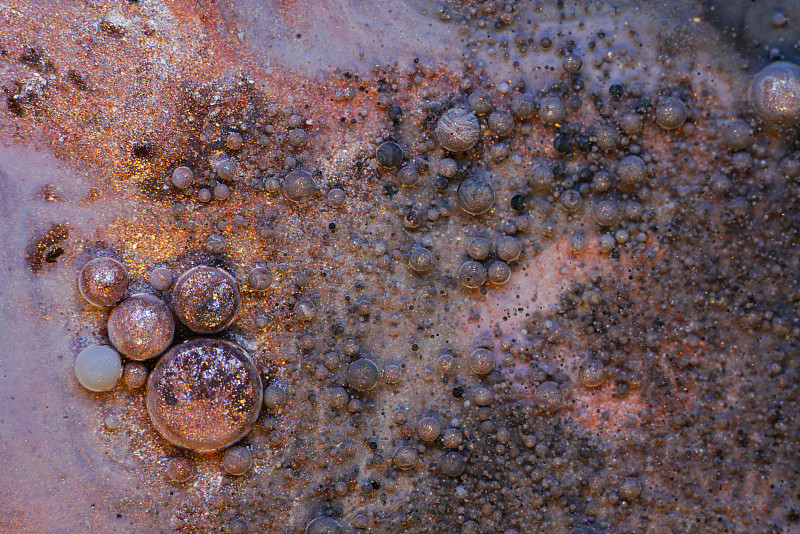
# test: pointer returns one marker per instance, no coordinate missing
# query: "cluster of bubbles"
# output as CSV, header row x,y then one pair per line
x,y
204,394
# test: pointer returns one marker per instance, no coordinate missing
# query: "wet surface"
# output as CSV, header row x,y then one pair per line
x,y
617,353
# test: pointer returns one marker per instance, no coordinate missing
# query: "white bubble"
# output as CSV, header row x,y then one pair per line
x,y
98,368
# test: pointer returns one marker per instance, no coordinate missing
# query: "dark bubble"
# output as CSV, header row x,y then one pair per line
x,y
452,464
475,195
362,374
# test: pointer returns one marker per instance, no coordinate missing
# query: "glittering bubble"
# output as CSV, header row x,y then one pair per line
x,y
103,282
204,395
141,327
206,299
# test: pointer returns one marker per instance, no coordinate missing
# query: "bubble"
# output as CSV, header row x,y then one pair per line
x,y
775,93
429,428
98,368
204,395
670,113
448,167
420,259
592,373
630,488
606,136
180,469
362,374
631,170
498,272
570,200
551,110
548,396
452,438
274,397
606,213
480,102
481,361
408,176
572,64
737,134
501,122
458,130
237,460
135,375
630,122
234,141
298,186
389,154
338,397
602,181
225,169
221,191
523,106
305,310
479,248
606,242
577,242
472,274
475,195
298,138
324,525
508,248
141,327
482,396
161,279
206,299
452,464
542,178
336,197
405,458
103,282
182,177
259,279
